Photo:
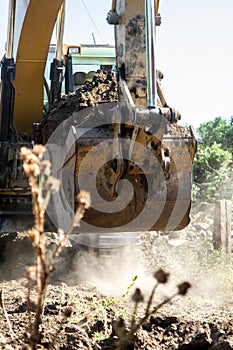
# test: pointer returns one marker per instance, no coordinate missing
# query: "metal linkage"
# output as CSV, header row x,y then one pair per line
x,y
7,95
150,28
56,77
112,16
57,66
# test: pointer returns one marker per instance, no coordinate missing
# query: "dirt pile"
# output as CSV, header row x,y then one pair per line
x,y
102,89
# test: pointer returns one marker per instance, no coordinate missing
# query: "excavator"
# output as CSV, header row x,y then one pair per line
x,y
132,154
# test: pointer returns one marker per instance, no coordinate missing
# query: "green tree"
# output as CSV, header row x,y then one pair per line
x,y
218,131
212,169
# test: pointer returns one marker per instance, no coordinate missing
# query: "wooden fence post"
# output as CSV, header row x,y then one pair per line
x,y
222,226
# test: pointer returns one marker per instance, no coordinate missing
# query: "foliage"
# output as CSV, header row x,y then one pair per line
x,y
218,131
124,295
126,334
212,168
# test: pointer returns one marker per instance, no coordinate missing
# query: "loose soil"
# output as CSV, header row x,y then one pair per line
x,y
102,89
94,288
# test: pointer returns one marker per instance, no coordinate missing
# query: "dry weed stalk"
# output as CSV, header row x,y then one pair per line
x,y
42,184
126,337
2,304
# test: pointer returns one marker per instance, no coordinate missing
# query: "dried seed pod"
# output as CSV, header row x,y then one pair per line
x,y
137,296
31,169
39,150
161,276
31,158
52,184
183,288
24,152
84,198
46,166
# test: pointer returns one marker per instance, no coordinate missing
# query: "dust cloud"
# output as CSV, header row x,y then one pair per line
x,y
112,271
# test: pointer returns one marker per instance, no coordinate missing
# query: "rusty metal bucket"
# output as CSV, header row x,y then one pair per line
x,y
137,181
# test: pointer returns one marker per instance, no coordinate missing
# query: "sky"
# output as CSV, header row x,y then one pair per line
x,y
194,49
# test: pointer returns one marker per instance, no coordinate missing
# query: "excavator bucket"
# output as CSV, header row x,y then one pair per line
x,y
138,174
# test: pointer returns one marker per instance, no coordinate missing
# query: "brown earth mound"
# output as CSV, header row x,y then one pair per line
x,y
102,89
